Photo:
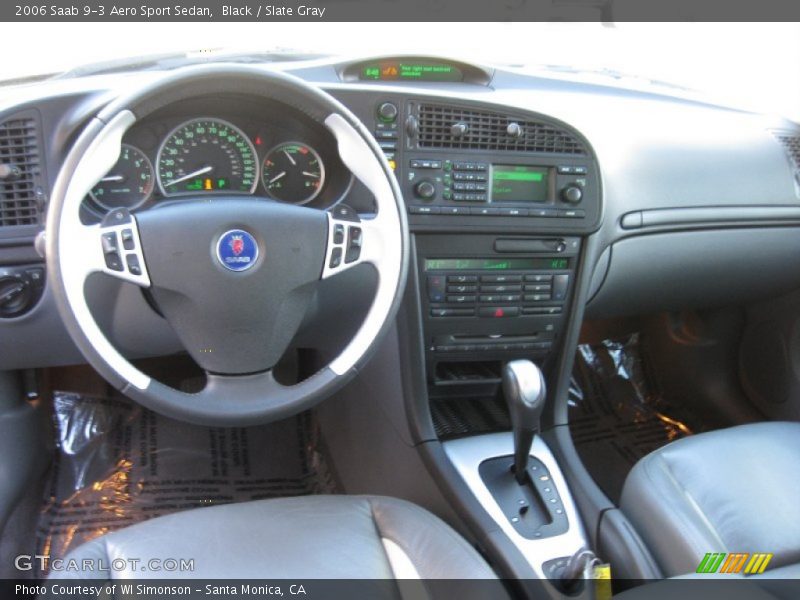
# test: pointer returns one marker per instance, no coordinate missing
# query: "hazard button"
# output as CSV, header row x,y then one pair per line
x,y
498,312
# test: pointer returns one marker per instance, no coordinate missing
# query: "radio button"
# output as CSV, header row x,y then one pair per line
x,y
485,211
461,289
425,189
537,297
455,210
462,278
542,310
498,312
501,288
538,287
572,194
452,312
560,283
460,299
436,287
424,210
501,278
514,212
538,277
543,212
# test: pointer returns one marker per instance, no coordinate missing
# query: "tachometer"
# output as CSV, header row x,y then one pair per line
x,y
206,155
128,184
293,172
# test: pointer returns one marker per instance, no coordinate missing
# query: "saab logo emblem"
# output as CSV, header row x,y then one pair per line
x,y
721,562
237,250
237,244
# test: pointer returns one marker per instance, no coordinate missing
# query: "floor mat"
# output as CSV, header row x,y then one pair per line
x,y
617,412
117,464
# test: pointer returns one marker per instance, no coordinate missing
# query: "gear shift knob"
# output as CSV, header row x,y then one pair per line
x,y
524,390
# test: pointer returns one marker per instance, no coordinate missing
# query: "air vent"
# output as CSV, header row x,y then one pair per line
x,y
20,171
453,127
790,141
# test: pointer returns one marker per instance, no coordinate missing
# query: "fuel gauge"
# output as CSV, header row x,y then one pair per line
x,y
293,172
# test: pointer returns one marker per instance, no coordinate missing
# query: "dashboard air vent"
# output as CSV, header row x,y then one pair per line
x,y
20,171
440,126
790,141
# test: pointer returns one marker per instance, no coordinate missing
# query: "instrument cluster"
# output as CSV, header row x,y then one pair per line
x,y
172,158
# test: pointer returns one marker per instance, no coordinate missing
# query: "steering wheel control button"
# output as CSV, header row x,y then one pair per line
x,y
111,251
342,212
127,239
113,261
109,241
118,216
338,234
354,241
133,264
237,250
336,258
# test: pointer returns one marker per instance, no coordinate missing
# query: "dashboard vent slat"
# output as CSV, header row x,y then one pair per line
x,y
20,204
791,142
441,126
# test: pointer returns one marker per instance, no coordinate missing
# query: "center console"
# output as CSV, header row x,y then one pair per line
x,y
499,204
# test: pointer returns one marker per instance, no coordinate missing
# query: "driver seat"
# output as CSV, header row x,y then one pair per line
x,y
309,537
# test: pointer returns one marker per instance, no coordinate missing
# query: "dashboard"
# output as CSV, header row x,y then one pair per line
x,y
532,201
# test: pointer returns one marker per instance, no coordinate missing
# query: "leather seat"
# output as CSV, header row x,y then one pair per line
x,y
311,537
733,490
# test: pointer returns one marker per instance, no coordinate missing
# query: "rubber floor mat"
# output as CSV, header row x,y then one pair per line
x,y
117,464
617,412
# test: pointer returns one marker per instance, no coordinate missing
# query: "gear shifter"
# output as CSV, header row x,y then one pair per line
x,y
524,390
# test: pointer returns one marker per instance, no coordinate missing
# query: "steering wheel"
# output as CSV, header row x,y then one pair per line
x,y
233,276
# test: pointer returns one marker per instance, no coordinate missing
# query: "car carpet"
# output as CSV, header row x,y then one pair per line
x,y
617,412
117,464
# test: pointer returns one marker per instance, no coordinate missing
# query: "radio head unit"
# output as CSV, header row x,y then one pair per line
x,y
500,187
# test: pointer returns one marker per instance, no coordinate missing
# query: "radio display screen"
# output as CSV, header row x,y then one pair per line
x,y
519,183
496,264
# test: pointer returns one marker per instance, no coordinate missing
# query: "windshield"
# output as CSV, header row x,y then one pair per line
x,y
749,65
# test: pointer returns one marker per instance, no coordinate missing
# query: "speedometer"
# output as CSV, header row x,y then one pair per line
x,y
206,156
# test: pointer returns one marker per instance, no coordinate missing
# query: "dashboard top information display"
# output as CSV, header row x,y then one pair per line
x,y
396,70
519,183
